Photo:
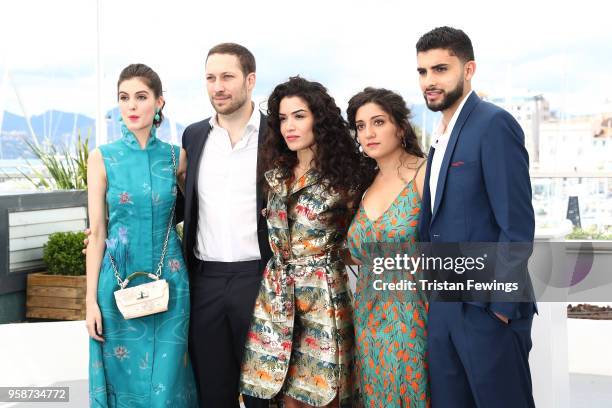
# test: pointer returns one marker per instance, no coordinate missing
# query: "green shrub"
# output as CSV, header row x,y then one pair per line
x,y
591,234
62,253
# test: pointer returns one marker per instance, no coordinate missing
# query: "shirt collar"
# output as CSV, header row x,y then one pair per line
x,y
284,186
254,120
130,139
441,136
252,128
252,124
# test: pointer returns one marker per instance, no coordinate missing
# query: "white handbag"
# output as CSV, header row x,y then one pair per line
x,y
142,300
147,298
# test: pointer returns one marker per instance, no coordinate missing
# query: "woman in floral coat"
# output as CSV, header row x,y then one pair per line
x,y
301,339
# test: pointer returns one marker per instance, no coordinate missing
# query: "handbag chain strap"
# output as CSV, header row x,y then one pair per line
x,y
160,265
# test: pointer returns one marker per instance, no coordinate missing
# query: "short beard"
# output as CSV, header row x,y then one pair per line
x,y
448,100
235,105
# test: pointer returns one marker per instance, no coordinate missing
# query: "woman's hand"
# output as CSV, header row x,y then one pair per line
x,y
93,321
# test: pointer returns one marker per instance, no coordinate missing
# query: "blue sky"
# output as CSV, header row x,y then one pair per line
x,y
560,50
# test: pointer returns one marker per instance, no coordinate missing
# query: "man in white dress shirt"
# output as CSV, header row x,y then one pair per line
x,y
225,239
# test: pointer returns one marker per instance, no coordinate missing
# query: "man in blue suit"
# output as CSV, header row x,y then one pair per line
x,y
477,189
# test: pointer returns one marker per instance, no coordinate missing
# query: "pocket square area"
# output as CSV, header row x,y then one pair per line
x,y
457,163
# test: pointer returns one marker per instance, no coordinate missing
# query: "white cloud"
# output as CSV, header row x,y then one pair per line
x,y
345,45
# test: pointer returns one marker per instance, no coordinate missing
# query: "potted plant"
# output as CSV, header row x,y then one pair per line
x,y
64,171
60,292
59,204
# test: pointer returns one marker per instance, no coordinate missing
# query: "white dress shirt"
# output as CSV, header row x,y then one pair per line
x,y
227,179
441,137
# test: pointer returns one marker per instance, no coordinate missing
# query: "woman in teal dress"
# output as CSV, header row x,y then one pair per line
x,y
390,328
140,362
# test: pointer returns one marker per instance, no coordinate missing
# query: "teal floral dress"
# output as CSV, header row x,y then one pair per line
x,y
143,361
390,329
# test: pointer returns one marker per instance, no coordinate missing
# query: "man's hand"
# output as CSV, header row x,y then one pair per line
x,y
86,240
502,317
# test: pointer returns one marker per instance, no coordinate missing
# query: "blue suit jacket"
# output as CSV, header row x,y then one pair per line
x,y
484,190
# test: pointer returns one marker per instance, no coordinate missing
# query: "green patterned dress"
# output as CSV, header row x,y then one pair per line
x,y
390,330
301,338
143,361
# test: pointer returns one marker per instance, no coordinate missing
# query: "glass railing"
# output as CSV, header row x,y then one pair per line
x,y
583,197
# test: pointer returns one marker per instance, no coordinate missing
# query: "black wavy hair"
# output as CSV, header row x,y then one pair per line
x,y
395,106
336,157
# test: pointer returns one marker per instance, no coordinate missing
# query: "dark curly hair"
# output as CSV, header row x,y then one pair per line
x,y
395,106
336,156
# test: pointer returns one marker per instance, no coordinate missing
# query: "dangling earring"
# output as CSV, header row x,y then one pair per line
x,y
120,120
156,118
361,150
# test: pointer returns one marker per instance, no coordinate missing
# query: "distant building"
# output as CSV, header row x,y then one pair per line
x,y
564,154
575,144
579,144
603,127
530,110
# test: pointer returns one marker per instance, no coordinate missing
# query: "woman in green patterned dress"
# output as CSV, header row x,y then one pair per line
x,y
140,362
390,328
300,344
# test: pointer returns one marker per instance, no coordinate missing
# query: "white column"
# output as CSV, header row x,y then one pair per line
x,y
549,356
101,136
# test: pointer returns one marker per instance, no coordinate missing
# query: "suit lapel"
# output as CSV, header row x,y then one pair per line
x,y
198,149
426,191
425,219
263,127
469,105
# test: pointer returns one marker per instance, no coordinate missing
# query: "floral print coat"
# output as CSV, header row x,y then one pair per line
x,y
301,337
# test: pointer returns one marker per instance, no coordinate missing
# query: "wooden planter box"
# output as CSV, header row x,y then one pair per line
x,y
56,297
26,221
